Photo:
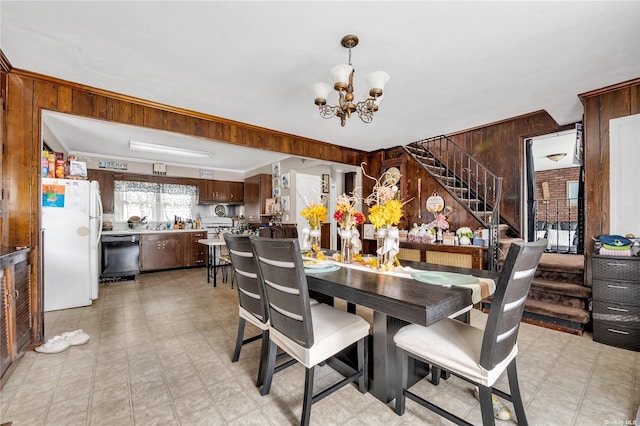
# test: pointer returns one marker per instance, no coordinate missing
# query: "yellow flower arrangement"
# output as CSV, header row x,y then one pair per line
x,y
387,214
315,213
385,208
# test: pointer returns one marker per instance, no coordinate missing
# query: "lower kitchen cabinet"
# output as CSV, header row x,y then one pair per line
x,y
16,320
167,250
162,251
198,254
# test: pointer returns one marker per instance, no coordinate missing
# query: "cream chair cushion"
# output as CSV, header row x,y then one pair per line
x,y
333,330
454,346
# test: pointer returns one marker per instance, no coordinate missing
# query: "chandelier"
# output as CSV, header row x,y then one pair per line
x,y
342,76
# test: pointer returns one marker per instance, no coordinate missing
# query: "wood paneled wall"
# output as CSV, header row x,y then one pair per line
x,y
600,106
501,148
29,94
498,146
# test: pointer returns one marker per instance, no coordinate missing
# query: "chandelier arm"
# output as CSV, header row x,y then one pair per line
x,y
365,110
328,111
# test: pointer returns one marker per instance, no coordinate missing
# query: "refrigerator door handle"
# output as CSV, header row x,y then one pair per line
x,y
99,200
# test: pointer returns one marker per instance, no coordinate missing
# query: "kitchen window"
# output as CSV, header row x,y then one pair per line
x,y
158,202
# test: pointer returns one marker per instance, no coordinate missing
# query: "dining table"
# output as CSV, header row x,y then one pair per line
x,y
398,298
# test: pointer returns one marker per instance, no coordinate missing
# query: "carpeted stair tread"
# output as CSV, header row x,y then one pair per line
x,y
568,289
562,263
557,311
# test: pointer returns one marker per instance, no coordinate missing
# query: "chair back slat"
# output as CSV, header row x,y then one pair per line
x,y
507,306
250,294
282,275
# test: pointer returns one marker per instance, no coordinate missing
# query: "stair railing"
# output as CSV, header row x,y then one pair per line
x,y
468,181
557,219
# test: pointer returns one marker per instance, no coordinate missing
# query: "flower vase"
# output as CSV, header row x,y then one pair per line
x,y
314,239
381,235
346,246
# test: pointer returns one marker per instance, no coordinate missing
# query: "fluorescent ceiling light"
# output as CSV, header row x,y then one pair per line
x,y
167,149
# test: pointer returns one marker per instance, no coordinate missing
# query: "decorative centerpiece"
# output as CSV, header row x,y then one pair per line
x,y
385,212
465,236
439,224
347,217
315,213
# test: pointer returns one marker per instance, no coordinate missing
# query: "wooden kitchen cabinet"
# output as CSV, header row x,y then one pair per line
x,y
16,320
163,250
167,250
105,180
236,192
256,191
220,191
197,255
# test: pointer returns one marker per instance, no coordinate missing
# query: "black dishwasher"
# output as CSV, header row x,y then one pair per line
x,y
120,256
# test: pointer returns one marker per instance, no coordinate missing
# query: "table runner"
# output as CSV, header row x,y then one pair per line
x,y
484,288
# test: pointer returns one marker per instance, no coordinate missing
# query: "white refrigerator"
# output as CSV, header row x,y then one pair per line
x,y
72,225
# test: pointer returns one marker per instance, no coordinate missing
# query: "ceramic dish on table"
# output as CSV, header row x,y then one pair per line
x,y
444,278
330,267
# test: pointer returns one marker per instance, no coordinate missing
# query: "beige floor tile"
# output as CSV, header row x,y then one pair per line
x,y
160,353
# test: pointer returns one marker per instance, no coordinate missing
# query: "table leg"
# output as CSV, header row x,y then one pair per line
x,y
215,267
208,264
383,375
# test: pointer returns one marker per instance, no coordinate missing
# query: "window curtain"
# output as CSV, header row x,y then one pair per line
x,y
158,202
177,200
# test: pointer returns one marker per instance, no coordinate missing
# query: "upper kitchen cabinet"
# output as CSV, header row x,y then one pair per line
x,y
257,189
220,191
105,180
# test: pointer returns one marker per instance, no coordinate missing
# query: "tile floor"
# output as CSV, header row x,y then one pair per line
x,y
160,355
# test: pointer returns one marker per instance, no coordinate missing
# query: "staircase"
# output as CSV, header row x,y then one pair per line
x,y
469,182
558,298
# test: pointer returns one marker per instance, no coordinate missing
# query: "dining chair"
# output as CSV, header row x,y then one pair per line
x,y
252,306
476,356
309,333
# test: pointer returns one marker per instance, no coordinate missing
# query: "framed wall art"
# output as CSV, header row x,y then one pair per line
x,y
285,180
275,169
325,184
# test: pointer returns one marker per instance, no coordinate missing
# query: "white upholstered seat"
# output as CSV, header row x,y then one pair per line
x,y
310,333
477,356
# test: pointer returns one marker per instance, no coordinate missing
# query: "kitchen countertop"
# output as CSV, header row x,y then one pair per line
x,y
150,231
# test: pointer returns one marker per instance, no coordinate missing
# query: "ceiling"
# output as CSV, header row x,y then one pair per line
x,y
453,65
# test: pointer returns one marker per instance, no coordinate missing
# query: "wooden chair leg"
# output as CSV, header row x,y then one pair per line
x,y
401,382
363,364
486,406
269,367
239,338
308,396
516,397
264,354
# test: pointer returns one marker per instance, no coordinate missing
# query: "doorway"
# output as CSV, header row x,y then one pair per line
x,y
554,188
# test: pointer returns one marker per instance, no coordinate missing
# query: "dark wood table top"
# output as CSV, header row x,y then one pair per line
x,y
402,298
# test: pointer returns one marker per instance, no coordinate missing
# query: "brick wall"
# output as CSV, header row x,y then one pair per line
x,y
556,208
